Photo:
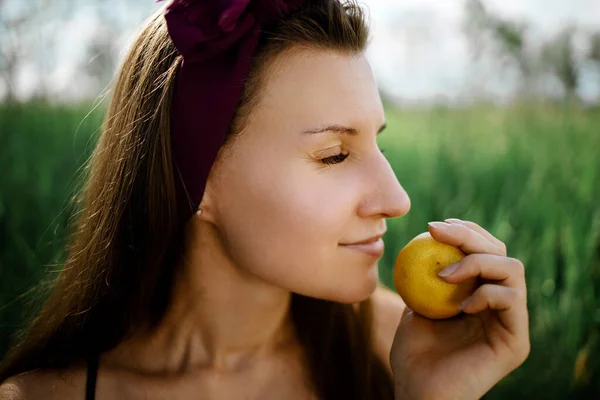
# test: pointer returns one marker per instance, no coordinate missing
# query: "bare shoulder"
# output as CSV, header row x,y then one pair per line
x,y
387,311
44,384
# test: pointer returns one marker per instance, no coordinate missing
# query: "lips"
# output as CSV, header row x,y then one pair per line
x,y
366,241
373,246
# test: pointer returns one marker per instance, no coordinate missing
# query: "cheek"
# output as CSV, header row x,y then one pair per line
x,y
284,226
281,217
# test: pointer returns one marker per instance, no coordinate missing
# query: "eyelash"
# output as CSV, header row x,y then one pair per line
x,y
338,158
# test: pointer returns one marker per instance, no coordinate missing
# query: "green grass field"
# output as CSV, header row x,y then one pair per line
x,y
530,175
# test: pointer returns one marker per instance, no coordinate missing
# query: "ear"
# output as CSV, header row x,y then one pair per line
x,y
206,210
209,202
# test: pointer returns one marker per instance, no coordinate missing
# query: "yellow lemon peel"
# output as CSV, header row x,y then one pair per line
x,y
417,282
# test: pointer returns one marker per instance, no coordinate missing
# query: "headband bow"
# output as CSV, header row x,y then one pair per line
x,y
217,39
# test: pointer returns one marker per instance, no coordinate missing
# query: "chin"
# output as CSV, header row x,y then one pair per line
x,y
357,295
351,290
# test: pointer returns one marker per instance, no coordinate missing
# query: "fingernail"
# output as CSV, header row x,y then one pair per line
x,y
449,270
452,220
438,225
464,303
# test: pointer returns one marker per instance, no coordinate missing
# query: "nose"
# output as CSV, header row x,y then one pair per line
x,y
386,198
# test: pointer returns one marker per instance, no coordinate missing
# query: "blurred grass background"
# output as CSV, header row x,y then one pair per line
x,y
530,174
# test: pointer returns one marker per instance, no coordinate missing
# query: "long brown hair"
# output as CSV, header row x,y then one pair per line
x,y
124,243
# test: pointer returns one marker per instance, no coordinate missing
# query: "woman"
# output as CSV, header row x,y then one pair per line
x,y
220,249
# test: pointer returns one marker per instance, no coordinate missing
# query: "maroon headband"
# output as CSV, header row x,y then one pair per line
x,y
217,39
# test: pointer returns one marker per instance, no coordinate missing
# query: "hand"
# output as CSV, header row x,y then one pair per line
x,y
465,356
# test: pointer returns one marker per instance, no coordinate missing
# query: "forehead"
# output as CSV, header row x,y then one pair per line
x,y
316,85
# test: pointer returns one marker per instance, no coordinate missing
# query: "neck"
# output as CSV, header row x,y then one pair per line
x,y
220,317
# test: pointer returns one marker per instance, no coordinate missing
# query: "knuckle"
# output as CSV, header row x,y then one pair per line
x,y
474,260
500,250
465,263
518,266
521,295
472,264
505,298
514,295
486,290
503,248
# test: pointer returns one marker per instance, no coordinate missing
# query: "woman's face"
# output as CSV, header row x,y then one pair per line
x,y
283,212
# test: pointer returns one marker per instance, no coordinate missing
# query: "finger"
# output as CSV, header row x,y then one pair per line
x,y
505,270
509,302
480,230
468,240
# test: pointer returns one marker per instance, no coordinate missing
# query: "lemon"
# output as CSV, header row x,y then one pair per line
x,y
417,282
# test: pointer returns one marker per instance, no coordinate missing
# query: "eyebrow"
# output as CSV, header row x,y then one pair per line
x,y
344,130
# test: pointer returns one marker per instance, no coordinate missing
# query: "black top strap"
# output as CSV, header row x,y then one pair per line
x,y
92,374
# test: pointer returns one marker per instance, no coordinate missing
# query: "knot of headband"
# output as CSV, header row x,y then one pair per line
x,y
217,39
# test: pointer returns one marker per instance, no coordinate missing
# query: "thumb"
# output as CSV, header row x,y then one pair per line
x,y
407,314
399,342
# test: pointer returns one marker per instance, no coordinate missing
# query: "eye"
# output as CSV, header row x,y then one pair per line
x,y
338,158
335,159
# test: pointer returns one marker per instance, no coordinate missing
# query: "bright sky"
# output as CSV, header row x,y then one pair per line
x,y
418,52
